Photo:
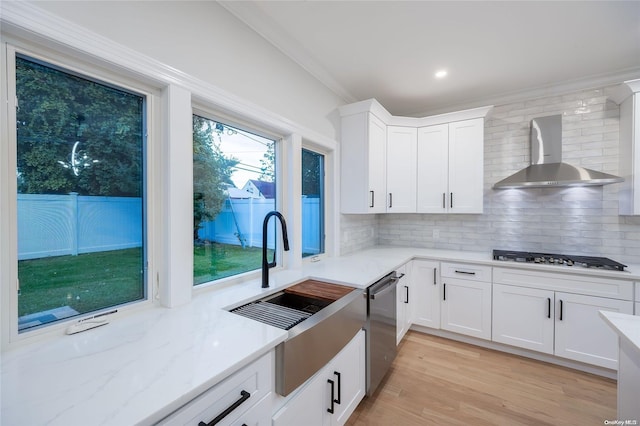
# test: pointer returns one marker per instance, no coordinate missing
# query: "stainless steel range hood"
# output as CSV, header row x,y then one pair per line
x,y
547,168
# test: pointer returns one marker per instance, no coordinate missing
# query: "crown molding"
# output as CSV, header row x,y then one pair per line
x,y
251,14
29,22
563,88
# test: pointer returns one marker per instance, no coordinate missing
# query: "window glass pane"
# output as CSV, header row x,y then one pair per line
x,y
233,189
312,203
80,172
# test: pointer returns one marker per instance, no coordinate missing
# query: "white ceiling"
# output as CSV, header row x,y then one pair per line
x,y
495,52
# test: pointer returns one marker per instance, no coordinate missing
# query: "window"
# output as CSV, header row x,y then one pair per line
x,y
234,187
312,203
80,194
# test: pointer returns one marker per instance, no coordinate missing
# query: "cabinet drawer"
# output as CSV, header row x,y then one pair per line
x,y
466,271
570,283
256,379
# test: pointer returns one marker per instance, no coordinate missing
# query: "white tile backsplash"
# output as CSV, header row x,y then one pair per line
x,y
571,220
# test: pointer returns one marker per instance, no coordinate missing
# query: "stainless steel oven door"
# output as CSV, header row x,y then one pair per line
x,y
381,330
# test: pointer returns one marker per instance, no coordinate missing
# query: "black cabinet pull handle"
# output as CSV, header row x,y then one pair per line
x,y
390,200
465,272
372,198
337,401
244,395
561,310
406,295
548,307
451,199
444,200
444,291
330,410
434,276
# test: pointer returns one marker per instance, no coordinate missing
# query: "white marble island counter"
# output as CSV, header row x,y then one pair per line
x,y
146,364
628,329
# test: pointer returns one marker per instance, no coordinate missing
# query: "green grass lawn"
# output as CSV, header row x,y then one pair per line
x,y
213,261
86,282
93,281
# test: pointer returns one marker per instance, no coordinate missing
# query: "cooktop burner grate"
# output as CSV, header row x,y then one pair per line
x,y
558,259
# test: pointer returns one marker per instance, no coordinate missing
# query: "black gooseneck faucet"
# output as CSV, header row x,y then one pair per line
x,y
265,264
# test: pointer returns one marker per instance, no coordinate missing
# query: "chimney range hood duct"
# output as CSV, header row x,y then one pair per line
x,y
547,168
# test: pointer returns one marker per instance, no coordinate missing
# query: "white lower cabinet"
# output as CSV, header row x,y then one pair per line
x,y
523,317
425,287
466,300
404,295
580,332
242,398
529,313
332,394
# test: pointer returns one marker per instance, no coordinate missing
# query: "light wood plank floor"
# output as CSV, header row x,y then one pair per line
x,y
436,381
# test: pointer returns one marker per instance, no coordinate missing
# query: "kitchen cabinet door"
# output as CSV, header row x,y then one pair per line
x,y
363,164
350,386
466,166
466,307
581,334
433,166
401,169
425,287
404,296
338,387
523,317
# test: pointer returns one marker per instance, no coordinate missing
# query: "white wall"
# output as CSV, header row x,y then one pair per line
x,y
202,39
567,220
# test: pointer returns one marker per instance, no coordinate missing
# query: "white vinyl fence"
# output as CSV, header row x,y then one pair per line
x,y
241,220
56,225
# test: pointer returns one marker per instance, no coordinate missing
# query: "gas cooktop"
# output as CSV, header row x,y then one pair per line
x,y
558,259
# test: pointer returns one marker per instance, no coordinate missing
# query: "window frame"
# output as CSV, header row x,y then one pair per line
x,y
106,74
323,203
200,109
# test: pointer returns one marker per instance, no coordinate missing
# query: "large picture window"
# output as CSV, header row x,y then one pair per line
x,y
80,180
234,187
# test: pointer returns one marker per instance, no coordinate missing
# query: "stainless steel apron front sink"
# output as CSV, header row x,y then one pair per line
x,y
318,329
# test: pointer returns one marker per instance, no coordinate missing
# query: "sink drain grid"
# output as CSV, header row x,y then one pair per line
x,y
269,313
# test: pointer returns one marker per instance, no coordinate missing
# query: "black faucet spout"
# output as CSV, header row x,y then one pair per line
x,y
285,240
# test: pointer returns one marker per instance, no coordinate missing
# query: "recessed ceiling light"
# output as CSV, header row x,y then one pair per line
x,y
441,74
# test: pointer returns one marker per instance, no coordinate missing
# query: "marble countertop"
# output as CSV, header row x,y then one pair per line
x,y
147,363
627,327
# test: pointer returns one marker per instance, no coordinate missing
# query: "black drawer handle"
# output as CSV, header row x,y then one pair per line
x,y
465,272
331,382
548,307
406,295
451,199
434,276
444,200
244,395
444,291
390,200
561,310
372,197
337,401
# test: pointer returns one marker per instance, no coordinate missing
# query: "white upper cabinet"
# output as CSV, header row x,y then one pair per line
x,y
627,95
433,169
406,165
401,169
466,166
364,164
451,167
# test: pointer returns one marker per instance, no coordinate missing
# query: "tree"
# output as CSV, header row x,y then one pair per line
x,y
57,111
211,171
267,164
312,173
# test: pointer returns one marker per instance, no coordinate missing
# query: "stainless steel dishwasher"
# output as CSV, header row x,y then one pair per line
x,y
381,329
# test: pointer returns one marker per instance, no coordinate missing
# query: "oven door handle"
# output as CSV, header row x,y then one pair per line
x,y
382,290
